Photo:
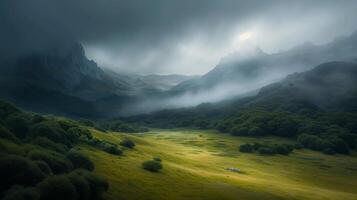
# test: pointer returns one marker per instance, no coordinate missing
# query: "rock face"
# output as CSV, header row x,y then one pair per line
x,y
63,81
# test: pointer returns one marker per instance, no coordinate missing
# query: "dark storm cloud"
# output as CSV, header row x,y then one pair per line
x,y
165,36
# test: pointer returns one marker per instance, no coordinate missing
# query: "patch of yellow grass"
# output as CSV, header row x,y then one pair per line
x,y
195,165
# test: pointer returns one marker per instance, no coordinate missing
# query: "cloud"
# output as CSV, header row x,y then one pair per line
x,y
167,36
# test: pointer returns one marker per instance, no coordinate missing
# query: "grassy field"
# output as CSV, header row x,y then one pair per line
x,y
195,165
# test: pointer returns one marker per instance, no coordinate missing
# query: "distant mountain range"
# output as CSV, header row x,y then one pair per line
x,y
64,81
241,72
329,87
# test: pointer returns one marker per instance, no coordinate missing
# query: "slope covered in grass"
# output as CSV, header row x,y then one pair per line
x,y
195,167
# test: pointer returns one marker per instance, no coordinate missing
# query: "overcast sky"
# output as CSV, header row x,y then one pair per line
x,y
166,36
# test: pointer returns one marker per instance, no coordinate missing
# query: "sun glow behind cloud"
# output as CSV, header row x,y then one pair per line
x,y
245,36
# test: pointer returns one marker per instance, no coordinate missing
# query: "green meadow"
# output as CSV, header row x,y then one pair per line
x,y
195,167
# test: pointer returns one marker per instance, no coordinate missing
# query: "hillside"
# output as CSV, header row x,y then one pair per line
x,y
62,80
48,157
195,164
317,108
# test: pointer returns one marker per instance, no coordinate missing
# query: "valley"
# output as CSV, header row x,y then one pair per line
x,y
195,166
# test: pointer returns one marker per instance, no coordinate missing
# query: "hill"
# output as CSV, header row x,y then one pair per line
x,y
62,80
319,104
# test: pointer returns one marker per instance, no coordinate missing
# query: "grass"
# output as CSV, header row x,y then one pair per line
x,y
195,165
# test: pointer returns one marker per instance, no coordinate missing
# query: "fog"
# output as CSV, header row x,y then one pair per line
x,y
203,37
170,36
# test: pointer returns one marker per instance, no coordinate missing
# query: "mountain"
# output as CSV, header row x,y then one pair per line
x,y
254,68
165,82
329,87
63,80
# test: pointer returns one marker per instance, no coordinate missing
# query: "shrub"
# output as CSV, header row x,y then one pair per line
x,y
57,188
299,146
266,151
246,148
7,109
57,162
22,193
340,146
18,125
43,167
66,124
98,185
86,122
50,130
112,149
256,146
152,165
37,119
350,139
75,133
312,142
4,133
48,144
127,143
329,151
82,186
18,170
79,160
93,142
283,149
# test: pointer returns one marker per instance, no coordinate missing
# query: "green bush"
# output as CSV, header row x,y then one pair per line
x,y
316,143
37,119
49,144
75,133
152,165
6,134
57,162
57,188
127,143
50,130
329,151
82,186
266,151
246,148
7,109
66,124
18,125
22,193
79,160
17,170
283,149
43,167
86,122
97,184
112,149
256,146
